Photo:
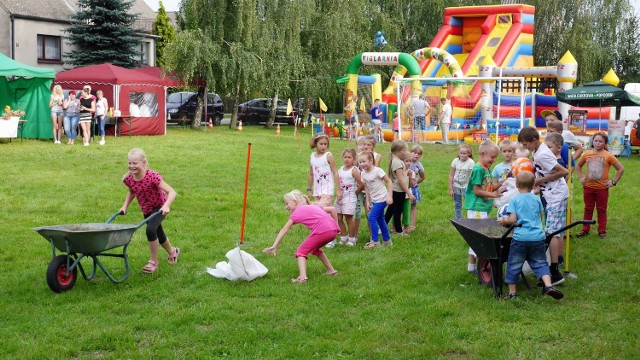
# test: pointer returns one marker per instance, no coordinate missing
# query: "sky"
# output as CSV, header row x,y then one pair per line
x,y
170,5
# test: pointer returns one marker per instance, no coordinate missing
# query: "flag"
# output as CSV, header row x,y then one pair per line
x,y
323,106
289,107
362,108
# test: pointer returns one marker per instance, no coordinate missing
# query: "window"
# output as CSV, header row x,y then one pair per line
x,y
49,48
143,104
144,52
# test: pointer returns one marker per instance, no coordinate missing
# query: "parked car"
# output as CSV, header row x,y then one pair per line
x,y
181,106
257,111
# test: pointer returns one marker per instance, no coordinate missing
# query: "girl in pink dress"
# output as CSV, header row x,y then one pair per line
x,y
153,195
323,230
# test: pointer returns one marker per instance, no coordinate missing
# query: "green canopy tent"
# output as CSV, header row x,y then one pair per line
x,y
598,94
28,88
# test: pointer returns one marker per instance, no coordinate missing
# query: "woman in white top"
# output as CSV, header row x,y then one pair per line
x,y
101,110
55,103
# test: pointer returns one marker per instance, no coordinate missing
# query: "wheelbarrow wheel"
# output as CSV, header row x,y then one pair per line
x,y
57,277
484,272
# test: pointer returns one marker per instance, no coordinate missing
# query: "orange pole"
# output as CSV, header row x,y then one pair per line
x,y
244,199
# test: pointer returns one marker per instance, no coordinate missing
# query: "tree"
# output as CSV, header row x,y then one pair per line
x,y
102,33
191,56
167,33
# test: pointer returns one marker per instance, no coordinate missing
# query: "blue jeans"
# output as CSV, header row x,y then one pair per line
x,y
457,203
100,120
534,252
70,123
376,221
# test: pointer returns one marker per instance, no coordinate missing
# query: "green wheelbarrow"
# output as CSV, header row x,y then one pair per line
x,y
86,240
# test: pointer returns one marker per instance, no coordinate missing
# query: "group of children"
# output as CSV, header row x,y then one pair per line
x,y
475,186
360,186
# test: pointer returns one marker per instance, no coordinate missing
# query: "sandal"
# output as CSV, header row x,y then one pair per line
x,y
299,280
173,258
151,267
582,234
334,273
371,245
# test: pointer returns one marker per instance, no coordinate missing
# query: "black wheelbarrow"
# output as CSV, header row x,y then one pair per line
x,y
86,240
491,243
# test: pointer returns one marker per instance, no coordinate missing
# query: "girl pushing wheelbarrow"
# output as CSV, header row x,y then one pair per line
x,y
153,195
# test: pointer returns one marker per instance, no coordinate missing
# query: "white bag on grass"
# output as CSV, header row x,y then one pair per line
x,y
241,266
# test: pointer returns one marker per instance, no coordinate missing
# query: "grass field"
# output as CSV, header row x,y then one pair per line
x,y
414,300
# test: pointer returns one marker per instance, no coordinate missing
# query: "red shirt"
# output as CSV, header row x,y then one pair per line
x,y
147,191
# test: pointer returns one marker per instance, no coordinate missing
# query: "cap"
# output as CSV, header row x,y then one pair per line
x,y
72,92
555,113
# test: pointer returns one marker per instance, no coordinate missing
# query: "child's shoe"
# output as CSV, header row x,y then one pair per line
x,y
553,292
387,243
331,244
371,245
352,241
344,240
510,297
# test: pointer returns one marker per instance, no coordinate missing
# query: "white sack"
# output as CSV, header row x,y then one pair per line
x,y
508,194
241,266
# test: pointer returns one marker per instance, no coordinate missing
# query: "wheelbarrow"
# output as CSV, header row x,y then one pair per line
x,y
86,240
491,243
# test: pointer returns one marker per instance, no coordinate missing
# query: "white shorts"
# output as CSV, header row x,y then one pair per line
x,y
348,208
376,121
473,214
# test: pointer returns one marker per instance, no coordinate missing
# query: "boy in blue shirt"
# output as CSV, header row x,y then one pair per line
x,y
528,239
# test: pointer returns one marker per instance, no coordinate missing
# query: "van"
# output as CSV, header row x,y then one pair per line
x,y
181,107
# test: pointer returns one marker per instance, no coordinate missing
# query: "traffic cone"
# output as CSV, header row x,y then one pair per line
x,y
278,130
240,125
210,124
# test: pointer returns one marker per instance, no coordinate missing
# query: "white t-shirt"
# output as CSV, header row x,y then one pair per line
x,y
323,182
445,114
348,184
544,161
375,184
462,173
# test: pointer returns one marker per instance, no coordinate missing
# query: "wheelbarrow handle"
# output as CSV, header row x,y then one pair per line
x,y
113,217
148,219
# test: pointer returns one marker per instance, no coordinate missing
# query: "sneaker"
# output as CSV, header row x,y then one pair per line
x,y
86,144
102,142
371,245
510,297
602,235
387,243
331,244
556,279
553,292
582,234
351,242
343,240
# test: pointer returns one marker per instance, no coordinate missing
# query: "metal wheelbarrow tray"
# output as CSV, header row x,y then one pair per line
x,y
491,243
92,240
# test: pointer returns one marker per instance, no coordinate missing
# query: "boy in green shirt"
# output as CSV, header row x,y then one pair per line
x,y
480,194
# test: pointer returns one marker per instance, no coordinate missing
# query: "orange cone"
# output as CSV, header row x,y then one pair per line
x,y
210,124
278,130
240,125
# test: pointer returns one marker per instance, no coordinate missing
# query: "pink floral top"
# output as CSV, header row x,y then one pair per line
x,y
147,191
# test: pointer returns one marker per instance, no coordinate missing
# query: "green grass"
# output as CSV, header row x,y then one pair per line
x,y
412,300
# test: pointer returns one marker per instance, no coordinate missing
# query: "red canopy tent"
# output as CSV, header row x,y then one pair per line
x,y
140,97
157,72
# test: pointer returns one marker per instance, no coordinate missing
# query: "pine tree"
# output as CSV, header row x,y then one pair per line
x,y
103,33
163,28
